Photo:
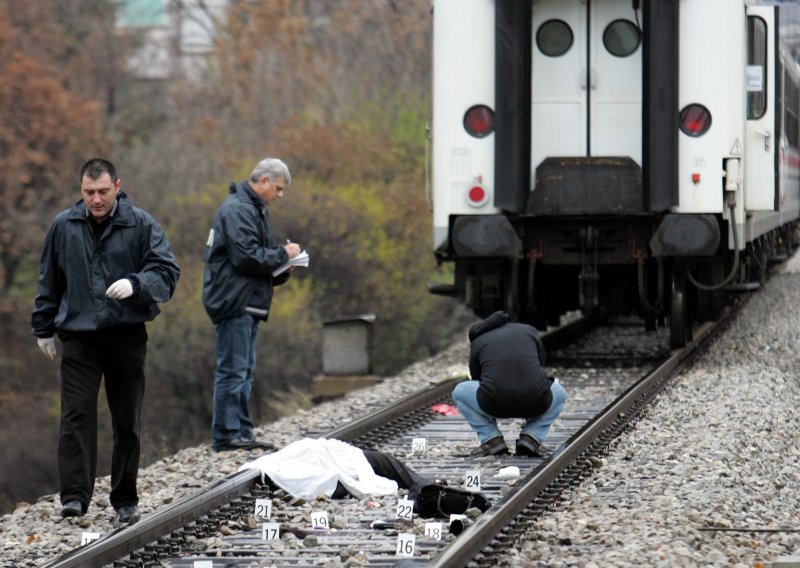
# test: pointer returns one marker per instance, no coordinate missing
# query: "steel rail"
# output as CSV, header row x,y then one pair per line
x,y
399,409
361,426
127,539
469,544
124,540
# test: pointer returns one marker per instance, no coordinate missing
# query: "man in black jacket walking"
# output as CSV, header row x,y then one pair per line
x,y
241,255
506,362
105,268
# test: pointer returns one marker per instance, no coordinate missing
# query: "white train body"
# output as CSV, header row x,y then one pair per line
x,y
614,143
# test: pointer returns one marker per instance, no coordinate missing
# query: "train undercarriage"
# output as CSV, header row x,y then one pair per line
x,y
605,266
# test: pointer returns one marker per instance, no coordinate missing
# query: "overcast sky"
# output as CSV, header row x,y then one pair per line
x,y
790,13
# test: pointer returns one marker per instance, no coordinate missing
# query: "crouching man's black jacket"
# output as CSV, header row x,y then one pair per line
x,y
508,359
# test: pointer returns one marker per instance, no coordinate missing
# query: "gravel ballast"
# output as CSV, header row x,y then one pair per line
x,y
710,476
719,450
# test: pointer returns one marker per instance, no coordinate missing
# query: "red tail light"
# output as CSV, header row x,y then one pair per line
x,y
477,194
695,120
479,121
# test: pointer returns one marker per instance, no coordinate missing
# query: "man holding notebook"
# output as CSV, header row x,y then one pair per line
x,y
241,256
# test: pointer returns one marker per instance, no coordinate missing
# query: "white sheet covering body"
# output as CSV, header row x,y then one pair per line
x,y
311,467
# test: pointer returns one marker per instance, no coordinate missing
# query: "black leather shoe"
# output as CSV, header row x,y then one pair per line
x,y
72,508
242,444
528,446
493,447
258,444
128,514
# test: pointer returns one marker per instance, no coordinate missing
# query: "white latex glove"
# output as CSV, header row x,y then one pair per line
x,y
120,289
48,346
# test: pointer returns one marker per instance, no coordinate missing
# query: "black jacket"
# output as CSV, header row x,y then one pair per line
x,y
76,270
240,257
508,359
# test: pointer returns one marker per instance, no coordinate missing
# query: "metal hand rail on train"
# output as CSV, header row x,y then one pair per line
x,y
489,524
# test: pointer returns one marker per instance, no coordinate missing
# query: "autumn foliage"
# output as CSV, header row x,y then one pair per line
x,y
45,129
339,90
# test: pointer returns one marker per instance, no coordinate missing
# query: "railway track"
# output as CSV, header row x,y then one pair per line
x,y
218,527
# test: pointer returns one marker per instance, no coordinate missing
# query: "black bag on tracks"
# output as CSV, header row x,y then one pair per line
x,y
435,500
431,499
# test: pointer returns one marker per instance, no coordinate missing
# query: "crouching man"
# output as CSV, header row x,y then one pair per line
x,y
506,362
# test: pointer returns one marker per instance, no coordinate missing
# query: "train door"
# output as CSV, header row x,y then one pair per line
x,y
586,79
763,139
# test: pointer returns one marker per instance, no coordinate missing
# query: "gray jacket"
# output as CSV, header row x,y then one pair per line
x,y
240,256
76,270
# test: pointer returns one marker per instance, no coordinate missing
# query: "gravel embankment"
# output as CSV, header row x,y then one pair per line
x,y
720,449
35,534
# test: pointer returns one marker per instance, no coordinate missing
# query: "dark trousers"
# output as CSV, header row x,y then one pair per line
x,y
392,468
118,355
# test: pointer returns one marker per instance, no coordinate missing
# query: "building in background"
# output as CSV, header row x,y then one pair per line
x,y
173,37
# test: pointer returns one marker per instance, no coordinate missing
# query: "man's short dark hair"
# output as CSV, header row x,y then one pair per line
x,y
96,167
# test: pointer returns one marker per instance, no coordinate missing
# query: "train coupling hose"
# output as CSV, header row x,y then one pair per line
x,y
730,201
733,182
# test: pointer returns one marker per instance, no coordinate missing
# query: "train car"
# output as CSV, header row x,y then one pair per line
x,y
613,156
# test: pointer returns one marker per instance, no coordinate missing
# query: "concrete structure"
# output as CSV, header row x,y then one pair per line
x,y
346,357
347,346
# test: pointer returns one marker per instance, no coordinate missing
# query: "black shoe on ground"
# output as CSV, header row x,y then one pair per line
x,y
528,446
128,514
493,447
258,444
72,508
241,444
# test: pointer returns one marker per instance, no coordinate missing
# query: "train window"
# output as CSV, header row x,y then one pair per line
x,y
791,110
479,121
621,38
756,66
554,38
